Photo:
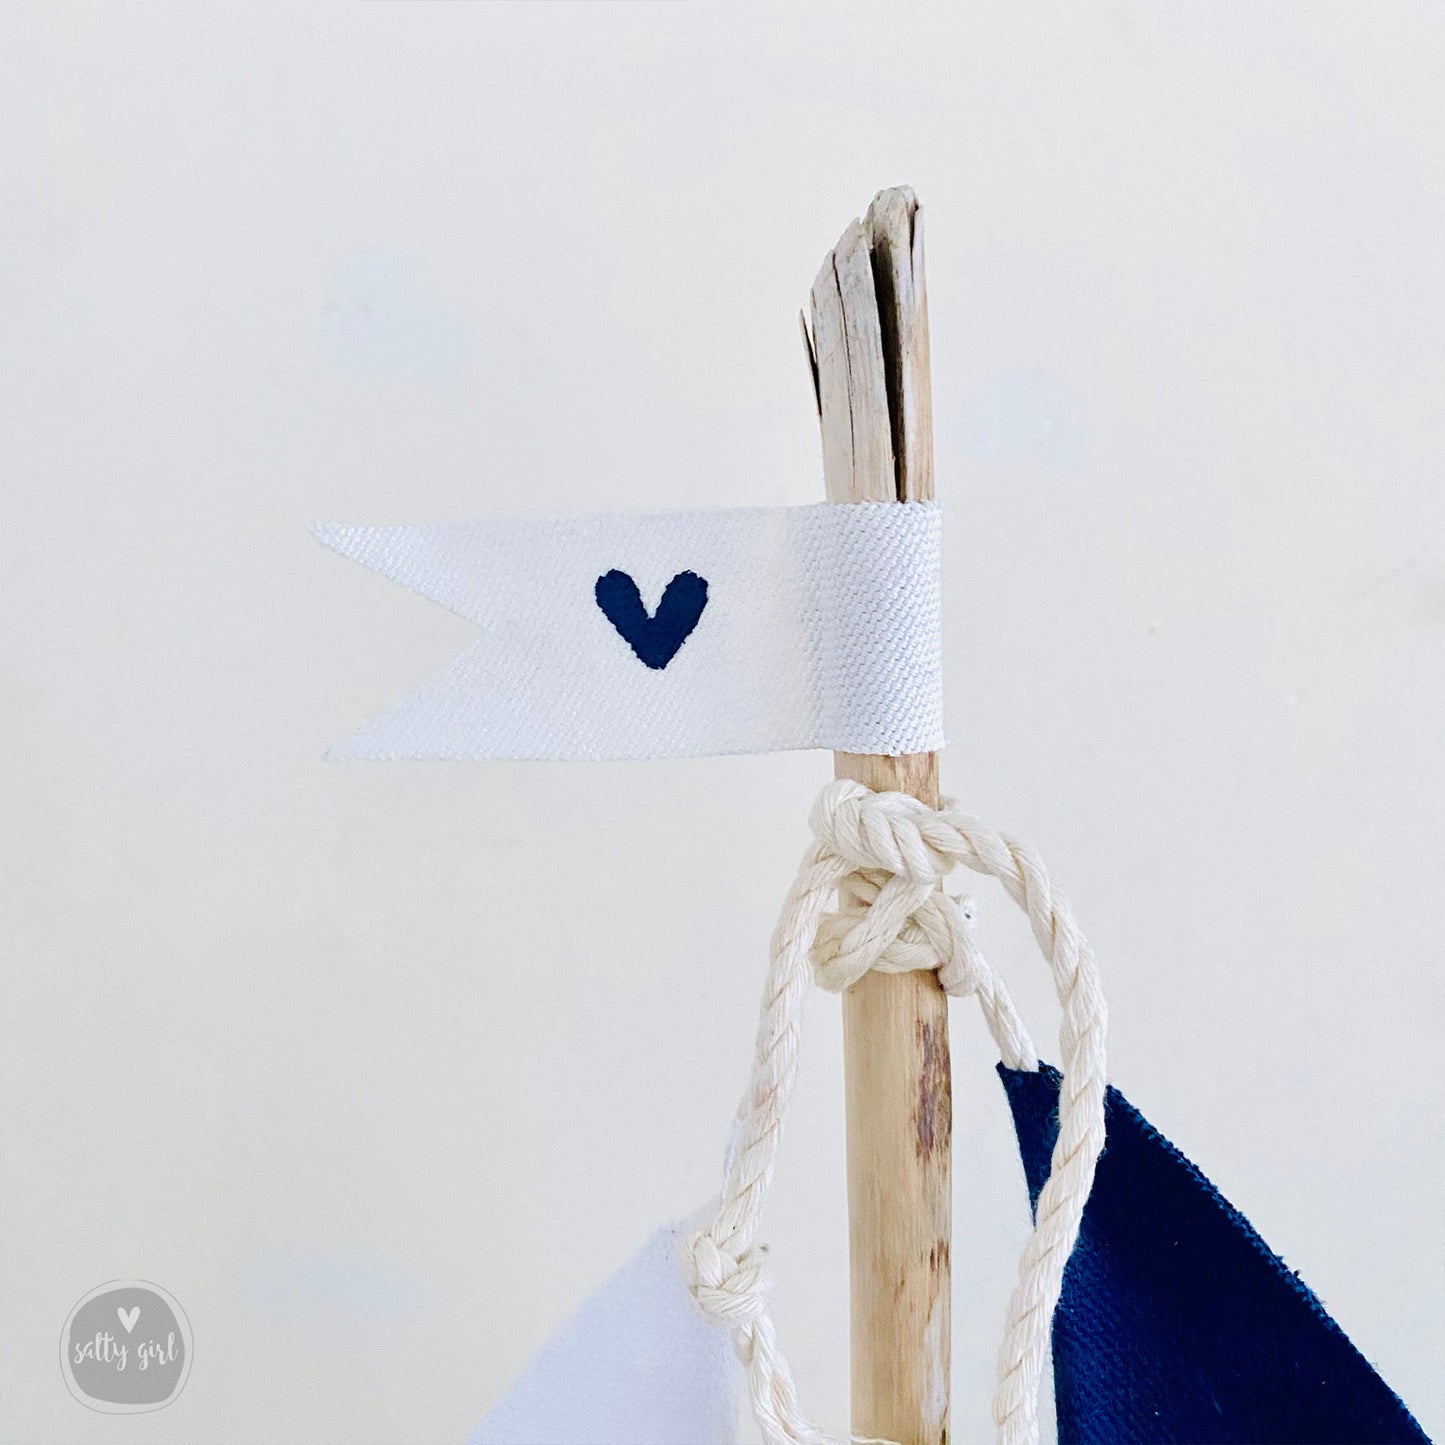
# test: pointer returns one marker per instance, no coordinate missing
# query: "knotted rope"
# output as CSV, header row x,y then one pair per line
x,y
892,853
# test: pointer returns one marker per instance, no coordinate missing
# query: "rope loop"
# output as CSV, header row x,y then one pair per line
x,y
867,830
880,859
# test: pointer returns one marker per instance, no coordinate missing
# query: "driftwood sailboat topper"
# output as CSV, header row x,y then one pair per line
x,y
750,630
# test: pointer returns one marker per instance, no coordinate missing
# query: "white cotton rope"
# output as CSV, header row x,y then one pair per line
x,y
893,853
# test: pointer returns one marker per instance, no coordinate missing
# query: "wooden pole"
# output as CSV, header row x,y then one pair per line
x,y
869,353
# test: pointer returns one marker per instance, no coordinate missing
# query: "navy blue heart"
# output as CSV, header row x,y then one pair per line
x,y
654,639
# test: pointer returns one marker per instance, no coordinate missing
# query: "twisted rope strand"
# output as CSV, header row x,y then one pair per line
x,y
894,853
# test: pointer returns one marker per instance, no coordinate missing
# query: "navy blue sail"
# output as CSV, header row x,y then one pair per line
x,y
1178,1325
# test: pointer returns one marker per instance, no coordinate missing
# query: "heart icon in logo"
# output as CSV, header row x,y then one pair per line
x,y
128,1317
654,639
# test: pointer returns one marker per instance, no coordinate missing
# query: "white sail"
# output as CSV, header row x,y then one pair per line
x,y
636,1365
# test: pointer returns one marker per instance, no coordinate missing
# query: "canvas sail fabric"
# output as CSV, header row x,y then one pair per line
x,y
1178,1325
636,1365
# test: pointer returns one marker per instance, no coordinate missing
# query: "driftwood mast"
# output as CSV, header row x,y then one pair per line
x,y
869,353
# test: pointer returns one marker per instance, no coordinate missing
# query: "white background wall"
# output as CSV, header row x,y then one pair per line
x,y
381,1069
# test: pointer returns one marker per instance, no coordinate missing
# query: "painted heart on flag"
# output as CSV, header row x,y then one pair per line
x,y
655,639
804,627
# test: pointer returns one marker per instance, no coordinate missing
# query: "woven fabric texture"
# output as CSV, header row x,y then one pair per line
x,y
787,627
1178,1325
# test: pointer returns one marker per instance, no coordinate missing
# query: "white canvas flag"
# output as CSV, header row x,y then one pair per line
x,y
670,634
636,1365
